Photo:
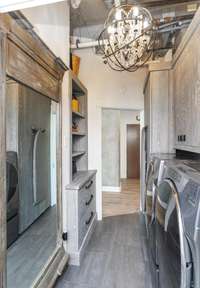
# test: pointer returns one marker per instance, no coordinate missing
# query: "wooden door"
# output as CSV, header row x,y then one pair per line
x,y
133,151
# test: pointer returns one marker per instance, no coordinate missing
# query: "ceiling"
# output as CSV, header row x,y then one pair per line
x,y
94,12
87,21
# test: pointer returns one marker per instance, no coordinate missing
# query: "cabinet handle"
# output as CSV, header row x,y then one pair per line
x,y
87,203
89,185
90,219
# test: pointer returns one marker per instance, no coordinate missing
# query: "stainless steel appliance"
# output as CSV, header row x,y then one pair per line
x,y
12,197
177,227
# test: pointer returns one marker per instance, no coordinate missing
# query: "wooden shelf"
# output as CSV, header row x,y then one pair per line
x,y
78,115
77,154
78,88
78,134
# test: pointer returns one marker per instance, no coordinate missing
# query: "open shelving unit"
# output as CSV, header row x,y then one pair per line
x,y
81,191
79,137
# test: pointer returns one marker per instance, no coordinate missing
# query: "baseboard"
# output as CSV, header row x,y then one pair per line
x,y
111,189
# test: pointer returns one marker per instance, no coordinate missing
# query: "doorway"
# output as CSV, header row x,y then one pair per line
x,y
120,162
133,151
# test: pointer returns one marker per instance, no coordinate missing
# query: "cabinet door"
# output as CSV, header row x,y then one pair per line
x,y
187,94
194,86
159,111
182,103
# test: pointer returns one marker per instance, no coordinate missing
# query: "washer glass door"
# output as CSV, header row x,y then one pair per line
x,y
149,194
170,238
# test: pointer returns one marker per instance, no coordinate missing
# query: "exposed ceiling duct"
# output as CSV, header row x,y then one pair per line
x,y
110,3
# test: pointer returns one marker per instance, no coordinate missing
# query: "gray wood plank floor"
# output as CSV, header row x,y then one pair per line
x,y
28,255
116,257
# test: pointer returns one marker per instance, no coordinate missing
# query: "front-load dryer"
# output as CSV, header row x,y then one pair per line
x,y
177,228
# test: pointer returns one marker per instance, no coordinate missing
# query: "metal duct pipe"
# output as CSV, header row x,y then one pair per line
x,y
165,28
110,3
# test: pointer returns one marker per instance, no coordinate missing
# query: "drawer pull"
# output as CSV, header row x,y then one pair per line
x,y
87,203
90,219
89,185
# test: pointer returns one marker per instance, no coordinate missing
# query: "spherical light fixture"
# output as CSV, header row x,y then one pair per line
x,y
128,37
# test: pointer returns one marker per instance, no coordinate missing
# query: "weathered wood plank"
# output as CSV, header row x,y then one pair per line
x,y
26,70
2,162
34,44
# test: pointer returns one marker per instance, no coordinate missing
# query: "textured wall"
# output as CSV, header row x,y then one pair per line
x,y
110,147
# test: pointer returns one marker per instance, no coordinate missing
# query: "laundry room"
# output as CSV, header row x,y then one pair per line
x,y
100,144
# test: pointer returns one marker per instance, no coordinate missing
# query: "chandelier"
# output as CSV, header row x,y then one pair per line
x,y
128,37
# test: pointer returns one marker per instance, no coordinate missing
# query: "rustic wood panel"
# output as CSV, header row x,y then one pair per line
x,y
187,94
40,119
32,42
24,69
159,115
2,163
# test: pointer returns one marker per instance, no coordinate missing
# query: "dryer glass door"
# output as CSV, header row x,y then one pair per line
x,y
170,238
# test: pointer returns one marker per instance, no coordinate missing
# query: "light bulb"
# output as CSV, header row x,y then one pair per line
x,y
118,15
146,24
135,11
111,30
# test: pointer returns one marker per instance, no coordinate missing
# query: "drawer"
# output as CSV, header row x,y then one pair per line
x,y
86,220
85,197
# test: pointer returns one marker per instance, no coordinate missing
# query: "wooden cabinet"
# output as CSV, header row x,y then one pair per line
x,y
186,76
81,214
159,112
80,196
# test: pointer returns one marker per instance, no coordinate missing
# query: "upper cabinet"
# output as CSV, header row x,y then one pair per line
x,y
158,110
186,75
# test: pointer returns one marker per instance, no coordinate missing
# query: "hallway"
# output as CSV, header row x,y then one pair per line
x,y
126,202
116,257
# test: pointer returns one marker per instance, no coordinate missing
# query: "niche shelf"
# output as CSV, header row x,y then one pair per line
x,y
78,115
79,119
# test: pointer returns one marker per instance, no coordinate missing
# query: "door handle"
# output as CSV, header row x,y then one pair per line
x,y
90,219
89,185
87,203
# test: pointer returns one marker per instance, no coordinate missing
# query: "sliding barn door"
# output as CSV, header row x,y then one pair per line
x,y
34,155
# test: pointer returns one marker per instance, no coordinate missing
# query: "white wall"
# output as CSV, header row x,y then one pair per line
x,y
106,89
126,117
52,23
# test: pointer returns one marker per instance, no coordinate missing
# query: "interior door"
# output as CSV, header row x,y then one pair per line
x,y
133,151
170,239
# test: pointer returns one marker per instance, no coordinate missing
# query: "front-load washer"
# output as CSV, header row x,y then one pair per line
x,y
152,177
177,228
12,197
